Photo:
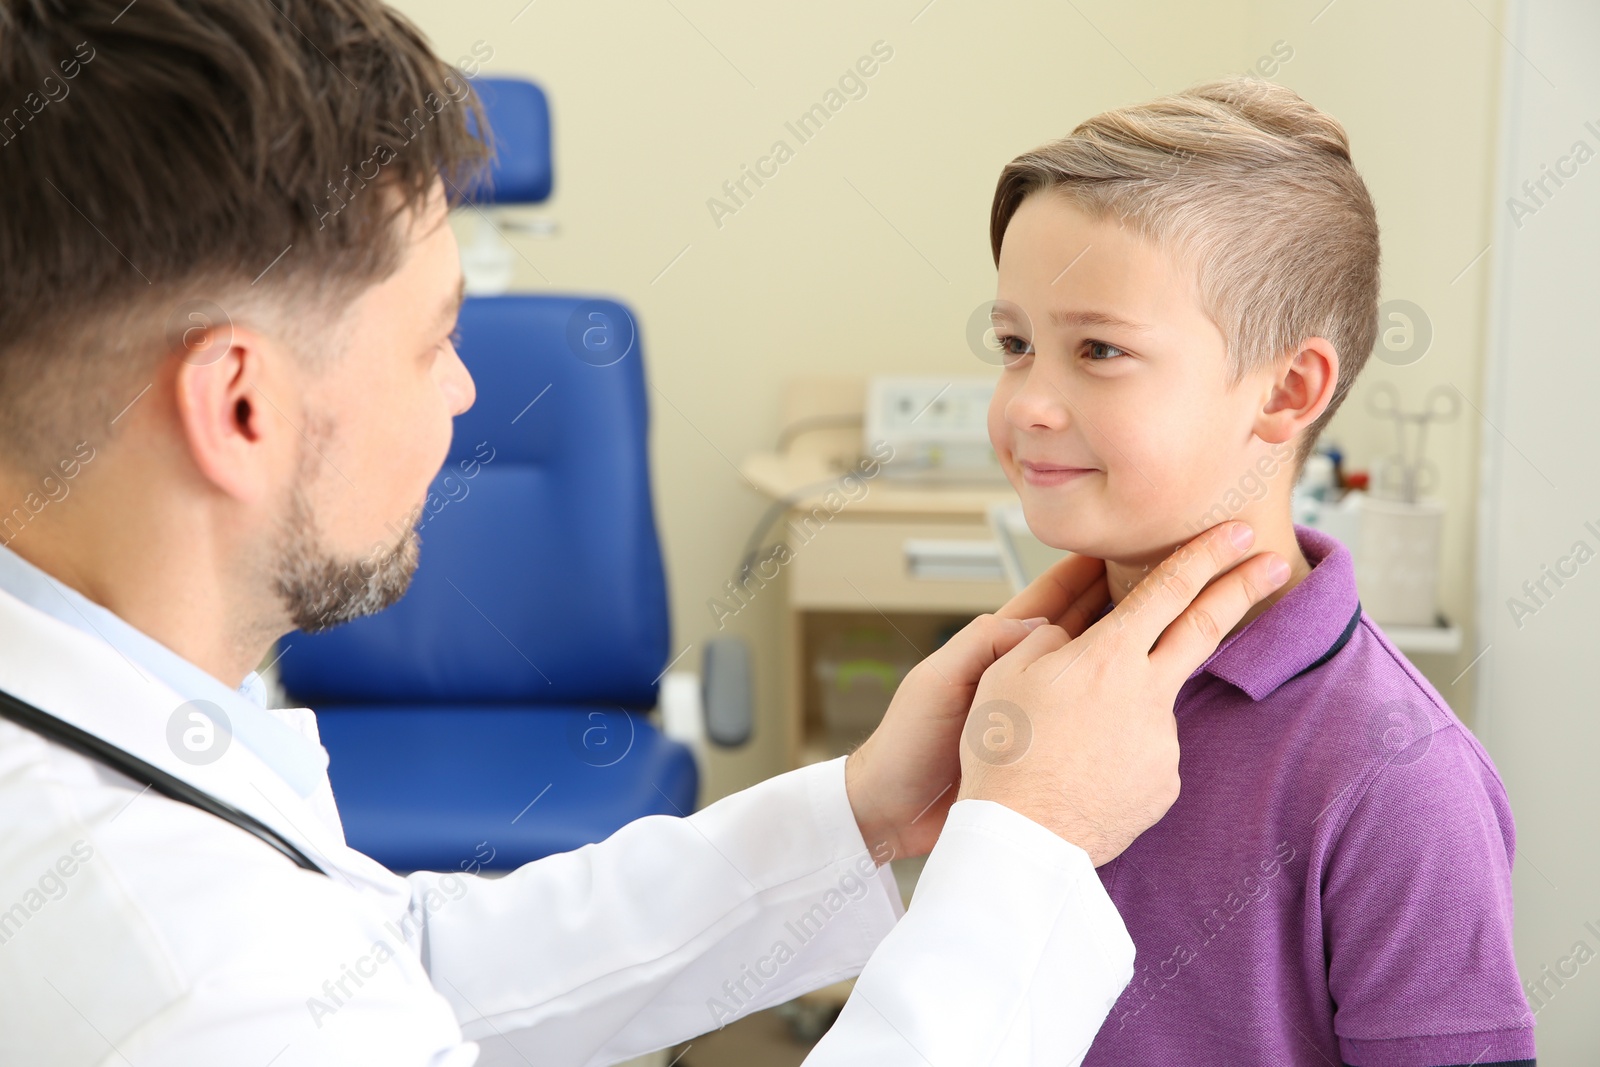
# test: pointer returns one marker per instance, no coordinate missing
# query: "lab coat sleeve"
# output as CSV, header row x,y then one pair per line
x,y
669,928
1011,955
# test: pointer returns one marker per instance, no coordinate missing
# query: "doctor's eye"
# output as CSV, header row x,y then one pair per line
x,y
1097,351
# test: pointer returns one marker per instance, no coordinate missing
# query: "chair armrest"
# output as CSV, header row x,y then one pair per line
x,y
716,707
683,709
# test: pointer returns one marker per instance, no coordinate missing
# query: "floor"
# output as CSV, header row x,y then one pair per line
x,y
770,1038
780,1037
762,1040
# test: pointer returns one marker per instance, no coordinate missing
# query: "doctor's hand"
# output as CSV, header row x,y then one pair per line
x,y
903,779
1077,732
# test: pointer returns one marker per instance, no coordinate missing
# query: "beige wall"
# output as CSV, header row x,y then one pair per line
x,y
868,249
1537,683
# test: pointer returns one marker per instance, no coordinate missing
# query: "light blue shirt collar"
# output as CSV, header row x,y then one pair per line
x,y
299,760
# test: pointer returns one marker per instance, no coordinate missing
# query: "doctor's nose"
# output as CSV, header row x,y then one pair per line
x,y
456,384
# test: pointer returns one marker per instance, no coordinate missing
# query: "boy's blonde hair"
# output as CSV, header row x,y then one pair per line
x,y
1253,189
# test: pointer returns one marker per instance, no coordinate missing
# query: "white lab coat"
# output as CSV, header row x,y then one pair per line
x,y
138,930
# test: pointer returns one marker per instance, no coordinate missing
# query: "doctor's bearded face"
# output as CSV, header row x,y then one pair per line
x,y
1113,417
378,430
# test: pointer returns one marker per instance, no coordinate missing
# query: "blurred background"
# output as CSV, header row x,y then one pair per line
x,y
864,252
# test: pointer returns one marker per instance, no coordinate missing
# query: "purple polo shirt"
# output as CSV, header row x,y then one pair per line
x,y
1334,883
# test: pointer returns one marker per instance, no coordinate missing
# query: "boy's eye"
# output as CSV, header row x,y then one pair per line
x,y
1013,347
1100,352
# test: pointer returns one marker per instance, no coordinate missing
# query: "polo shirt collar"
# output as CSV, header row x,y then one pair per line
x,y
1302,630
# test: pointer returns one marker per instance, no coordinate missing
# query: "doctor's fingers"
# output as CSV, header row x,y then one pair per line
x,y
1069,583
977,646
1044,640
1170,589
1087,608
1195,634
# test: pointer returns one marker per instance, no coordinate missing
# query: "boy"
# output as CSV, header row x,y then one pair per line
x,y
1187,291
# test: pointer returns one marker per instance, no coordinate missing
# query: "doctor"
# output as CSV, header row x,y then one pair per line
x,y
226,372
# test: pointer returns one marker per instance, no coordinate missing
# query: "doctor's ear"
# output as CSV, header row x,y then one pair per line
x,y
225,420
1300,387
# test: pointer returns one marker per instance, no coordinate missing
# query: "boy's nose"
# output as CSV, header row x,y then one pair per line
x,y
1039,405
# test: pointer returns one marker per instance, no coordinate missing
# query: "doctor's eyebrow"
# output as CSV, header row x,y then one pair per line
x,y
1066,319
452,306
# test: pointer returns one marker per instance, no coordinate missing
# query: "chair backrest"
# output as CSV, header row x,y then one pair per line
x,y
519,115
541,579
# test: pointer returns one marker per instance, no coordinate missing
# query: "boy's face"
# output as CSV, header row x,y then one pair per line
x,y
1113,417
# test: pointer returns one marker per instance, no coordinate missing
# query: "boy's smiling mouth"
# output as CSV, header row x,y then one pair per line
x,y
1051,474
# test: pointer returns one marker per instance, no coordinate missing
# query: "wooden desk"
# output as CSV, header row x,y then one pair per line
x,y
849,566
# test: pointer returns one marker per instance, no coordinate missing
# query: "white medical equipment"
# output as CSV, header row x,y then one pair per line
x,y
1397,568
937,426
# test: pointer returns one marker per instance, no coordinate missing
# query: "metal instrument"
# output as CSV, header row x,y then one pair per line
x,y
1409,473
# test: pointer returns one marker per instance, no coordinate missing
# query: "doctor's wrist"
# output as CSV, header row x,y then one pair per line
x,y
880,828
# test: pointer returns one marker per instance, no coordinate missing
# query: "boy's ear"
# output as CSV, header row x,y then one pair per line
x,y
1300,389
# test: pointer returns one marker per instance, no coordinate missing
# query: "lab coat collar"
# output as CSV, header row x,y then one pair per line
x,y
88,683
271,734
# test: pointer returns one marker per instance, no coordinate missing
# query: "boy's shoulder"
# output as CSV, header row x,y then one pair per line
x,y
1340,831
1320,701
1414,713
1400,742
1340,841
1370,695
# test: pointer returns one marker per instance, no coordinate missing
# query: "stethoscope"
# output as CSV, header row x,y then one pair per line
x,y
102,751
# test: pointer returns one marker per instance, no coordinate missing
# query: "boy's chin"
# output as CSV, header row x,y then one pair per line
x,y
1097,536
1066,533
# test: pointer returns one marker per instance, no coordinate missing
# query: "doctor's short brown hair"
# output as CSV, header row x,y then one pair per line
x,y
1251,188
166,161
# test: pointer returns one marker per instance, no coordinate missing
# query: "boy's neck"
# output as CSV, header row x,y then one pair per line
x,y
1274,533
